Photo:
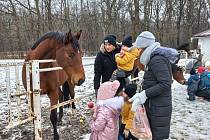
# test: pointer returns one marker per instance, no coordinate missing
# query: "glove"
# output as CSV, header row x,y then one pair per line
x,y
138,99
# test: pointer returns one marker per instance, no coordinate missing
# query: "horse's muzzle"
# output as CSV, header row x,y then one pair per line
x,y
80,82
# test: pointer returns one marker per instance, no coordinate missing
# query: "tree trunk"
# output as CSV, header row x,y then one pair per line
x,y
16,19
49,14
39,22
181,5
134,14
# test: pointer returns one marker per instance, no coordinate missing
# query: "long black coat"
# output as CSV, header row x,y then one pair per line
x,y
157,85
104,66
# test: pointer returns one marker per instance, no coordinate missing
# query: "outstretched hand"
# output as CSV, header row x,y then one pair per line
x,y
138,99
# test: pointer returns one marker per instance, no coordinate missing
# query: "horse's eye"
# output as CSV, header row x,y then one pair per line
x,y
71,55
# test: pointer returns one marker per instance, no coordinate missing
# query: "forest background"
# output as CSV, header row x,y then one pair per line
x,y
173,22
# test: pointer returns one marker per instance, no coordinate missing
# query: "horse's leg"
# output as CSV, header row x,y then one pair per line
x,y
60,108
72,94
53,115
65,89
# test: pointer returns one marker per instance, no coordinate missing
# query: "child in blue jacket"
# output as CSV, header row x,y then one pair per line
x,y
193,82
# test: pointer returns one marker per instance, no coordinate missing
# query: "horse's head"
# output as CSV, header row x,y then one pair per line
x,y
178,74
69,57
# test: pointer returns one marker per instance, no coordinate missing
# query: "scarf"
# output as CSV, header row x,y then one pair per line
x,y
146,55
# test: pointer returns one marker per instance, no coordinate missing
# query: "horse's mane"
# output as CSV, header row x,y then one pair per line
x,y
59,36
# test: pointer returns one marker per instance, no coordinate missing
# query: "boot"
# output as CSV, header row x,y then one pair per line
x,y
191,97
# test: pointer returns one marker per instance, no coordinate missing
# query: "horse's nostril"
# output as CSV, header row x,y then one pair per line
x,y
80,81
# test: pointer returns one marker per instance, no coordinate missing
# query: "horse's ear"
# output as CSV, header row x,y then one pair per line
x,y
78,34
68,36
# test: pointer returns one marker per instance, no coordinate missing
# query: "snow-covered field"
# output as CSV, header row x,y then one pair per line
x,y
190,120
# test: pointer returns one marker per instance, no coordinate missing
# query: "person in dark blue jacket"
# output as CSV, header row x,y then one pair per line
x,y
105,61
192,85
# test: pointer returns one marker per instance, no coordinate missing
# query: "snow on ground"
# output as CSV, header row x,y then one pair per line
x,y
190,120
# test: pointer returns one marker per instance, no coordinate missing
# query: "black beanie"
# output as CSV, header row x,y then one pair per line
x,y
110,39
130,90
127,41
192,72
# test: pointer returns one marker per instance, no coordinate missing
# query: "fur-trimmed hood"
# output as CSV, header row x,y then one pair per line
x,y
115,102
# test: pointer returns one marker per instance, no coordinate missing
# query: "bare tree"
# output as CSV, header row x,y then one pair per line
x,y
39,21
133,6
157,8
172,21
180,13
49,14
16,25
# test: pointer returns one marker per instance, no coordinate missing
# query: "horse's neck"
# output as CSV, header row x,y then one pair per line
x,y
45,52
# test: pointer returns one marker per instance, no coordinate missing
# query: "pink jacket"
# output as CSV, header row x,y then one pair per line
x,y
105,127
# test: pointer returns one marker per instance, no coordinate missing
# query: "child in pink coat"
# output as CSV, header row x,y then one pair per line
x,y
104,125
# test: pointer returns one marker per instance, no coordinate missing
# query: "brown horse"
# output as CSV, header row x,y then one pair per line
x,y
65,49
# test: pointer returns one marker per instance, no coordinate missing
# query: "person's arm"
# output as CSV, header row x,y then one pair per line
x,y
161,72
125,59
99,123
97,71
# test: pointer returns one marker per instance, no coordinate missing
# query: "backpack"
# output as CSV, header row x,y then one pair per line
x,y
205,81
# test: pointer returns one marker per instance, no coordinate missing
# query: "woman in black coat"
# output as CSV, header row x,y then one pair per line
x,y
156,94
105,61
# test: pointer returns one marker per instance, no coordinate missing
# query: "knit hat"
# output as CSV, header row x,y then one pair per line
x,y
192,72
127,41
144,40
110,39
130,90
107,90
201,69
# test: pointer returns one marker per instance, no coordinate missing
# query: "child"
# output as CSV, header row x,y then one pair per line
x,y
127,114
192,83
125,61
104,125
204,84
